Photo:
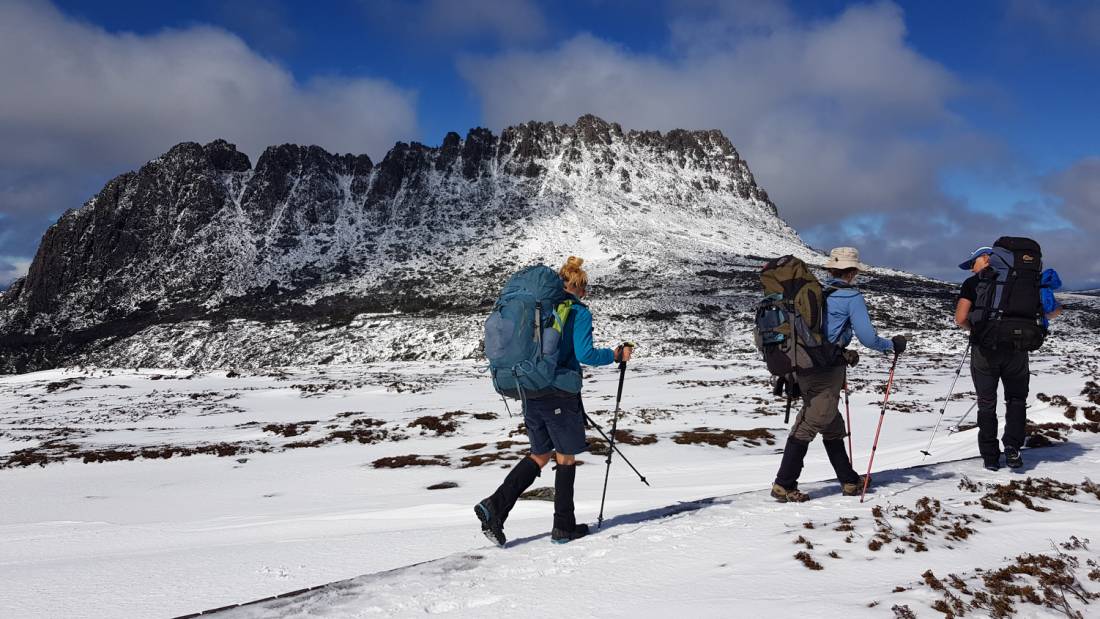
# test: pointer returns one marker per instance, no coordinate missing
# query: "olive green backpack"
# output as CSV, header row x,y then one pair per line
x,y
790,328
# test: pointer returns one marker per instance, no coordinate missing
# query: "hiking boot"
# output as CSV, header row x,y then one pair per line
x,y
491,527
493,511
838,457
992,465
783,495
855,488
564,536
1013,458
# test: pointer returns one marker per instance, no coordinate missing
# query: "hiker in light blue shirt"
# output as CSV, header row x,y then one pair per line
x,y
847,313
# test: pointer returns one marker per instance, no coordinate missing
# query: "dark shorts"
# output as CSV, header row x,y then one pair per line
x,y
555,424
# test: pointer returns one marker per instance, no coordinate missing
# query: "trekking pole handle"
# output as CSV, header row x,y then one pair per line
x,y
619,351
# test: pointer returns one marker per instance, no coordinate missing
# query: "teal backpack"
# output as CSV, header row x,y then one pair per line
x,y
523,334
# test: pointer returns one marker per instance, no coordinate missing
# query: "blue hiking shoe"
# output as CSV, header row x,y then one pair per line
x,y
492,528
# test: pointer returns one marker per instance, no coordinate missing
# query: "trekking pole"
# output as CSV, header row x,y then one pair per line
x,y
618,451
927,451
881,416
963,418
611,442
848,414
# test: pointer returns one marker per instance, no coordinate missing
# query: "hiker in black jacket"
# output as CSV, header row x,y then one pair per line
x,y
988,366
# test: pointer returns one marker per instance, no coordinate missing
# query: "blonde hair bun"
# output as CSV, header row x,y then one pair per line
x,y
572,275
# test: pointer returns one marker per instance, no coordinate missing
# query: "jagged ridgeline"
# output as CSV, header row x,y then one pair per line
x,y
199,259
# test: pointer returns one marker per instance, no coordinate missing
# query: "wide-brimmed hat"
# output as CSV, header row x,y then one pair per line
x,y
845,258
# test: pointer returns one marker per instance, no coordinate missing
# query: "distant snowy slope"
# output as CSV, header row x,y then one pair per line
x,y
199,259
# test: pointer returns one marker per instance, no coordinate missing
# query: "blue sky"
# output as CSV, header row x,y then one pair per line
x,y
914,130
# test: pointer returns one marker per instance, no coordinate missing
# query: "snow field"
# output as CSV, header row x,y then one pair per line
x,y
156,537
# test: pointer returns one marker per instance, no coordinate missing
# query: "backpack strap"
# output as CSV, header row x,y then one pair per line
x,y
561,314
828,290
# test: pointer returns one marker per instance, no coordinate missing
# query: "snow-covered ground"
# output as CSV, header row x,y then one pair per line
x,y
264,508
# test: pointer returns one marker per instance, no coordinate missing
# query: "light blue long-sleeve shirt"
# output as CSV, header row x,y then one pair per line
x,y
847,314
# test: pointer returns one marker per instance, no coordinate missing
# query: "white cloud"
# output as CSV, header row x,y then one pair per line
x,y
11,269
1077,191
76,93
80,103
826,113
1075,197
845,124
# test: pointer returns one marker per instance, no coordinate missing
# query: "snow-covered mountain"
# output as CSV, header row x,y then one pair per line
x,y
199,259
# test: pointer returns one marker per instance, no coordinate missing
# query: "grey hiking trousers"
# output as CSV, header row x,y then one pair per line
x,y
820,412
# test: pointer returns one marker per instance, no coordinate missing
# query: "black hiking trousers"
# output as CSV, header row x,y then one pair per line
x,y
1010,368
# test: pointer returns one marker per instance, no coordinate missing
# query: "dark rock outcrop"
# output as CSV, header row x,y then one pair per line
x,y
198,234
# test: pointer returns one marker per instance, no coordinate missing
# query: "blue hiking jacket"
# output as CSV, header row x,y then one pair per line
x,y
576,340
847,313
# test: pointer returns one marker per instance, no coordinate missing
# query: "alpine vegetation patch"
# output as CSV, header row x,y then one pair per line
x,y
916,527
1062,581
723,437
1028,492
398,462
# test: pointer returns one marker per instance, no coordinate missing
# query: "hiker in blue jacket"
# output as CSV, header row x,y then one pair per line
x,y
555,422
846,314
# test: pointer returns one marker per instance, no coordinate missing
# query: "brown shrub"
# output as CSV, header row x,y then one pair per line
x,y
397,462
722,438
808,561
431,423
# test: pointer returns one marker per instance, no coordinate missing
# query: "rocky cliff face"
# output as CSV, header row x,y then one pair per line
x,y
200,259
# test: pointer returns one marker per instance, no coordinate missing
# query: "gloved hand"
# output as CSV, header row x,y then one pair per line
x,y
778,385
786,384
851,358
623,352
900,342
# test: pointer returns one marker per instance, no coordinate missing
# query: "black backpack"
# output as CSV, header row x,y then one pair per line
x,y
1008,309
